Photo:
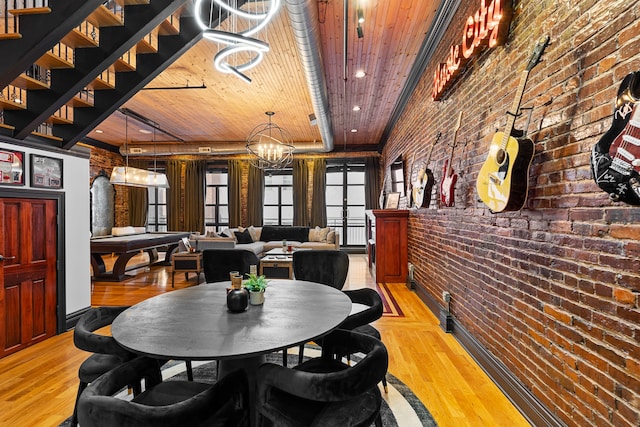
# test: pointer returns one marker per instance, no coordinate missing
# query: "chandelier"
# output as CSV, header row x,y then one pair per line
x,y
269,146
135,177
243,52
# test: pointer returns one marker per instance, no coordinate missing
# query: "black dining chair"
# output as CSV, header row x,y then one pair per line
x,y
108,354
217,263
324,391
360,320
163,404
321,266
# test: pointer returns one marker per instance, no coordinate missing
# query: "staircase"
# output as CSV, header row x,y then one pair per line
x,y
68,64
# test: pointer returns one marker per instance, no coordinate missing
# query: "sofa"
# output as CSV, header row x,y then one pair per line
x,y
262,239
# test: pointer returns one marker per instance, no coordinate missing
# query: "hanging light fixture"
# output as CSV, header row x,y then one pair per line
x,y
135,177
246,51
269,146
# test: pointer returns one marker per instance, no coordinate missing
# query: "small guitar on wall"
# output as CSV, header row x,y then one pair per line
x,y
615,159
424,183
503,180
449,178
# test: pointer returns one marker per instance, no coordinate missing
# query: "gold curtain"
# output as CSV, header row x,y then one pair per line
x,y
194,188
318,199
255,196
372,182
174,170
300,186
138,199
235,193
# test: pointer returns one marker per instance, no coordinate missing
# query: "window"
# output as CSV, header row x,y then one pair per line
x,y
397,176
278,198
216,202
346,201
157,212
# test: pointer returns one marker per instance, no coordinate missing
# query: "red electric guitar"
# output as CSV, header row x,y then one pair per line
x,y
424,181
449,178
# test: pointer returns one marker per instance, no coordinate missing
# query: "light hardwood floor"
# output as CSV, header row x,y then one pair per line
x,y
38,385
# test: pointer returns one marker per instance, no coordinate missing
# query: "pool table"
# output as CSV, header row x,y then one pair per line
x,y
125,247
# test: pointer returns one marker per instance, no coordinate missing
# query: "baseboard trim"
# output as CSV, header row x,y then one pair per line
x,y
531,408
72,318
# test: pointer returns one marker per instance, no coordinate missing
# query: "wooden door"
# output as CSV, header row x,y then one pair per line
x,y
27,272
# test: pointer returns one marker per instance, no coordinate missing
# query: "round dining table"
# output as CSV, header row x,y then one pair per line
x,y
195,324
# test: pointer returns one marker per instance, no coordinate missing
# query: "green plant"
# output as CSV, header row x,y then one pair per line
x,y
256,283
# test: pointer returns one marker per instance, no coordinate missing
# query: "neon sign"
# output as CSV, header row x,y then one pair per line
x,y
487,27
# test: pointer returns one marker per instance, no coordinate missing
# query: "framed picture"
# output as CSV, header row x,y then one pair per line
x,y
11,167
392,201
46,172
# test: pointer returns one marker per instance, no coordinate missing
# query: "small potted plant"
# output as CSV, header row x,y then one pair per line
x,y
256,286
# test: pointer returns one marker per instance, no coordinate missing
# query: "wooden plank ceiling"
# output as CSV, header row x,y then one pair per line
x,y
224,113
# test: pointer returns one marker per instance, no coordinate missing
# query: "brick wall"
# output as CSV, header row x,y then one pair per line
x,y
550,290
103,160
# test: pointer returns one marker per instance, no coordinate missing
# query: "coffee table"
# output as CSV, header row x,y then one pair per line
x,y
277,266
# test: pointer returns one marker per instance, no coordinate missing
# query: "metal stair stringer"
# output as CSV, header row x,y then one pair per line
x,y
90,62
41,32
148,66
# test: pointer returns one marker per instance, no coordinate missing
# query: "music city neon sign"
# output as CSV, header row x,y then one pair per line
x,y
487,27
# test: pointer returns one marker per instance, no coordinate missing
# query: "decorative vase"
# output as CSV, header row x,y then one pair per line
x,y
237,300
256,298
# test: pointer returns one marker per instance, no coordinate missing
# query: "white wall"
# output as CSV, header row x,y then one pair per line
x,y
75,183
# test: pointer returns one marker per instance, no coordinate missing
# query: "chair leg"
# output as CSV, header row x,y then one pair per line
x,y
300,354
284,357
74,417
379,420
384,383
189,370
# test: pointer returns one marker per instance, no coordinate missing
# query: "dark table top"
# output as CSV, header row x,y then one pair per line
x,y
135,242
194,323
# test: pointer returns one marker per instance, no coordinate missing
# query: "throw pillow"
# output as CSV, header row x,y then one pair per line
x,y
255,232
318,234
243,237
227,233
331,237
314,234
212,234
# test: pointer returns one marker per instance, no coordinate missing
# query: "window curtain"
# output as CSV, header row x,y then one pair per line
x,y
255,197
174,170
194,188
318,199
371,182
235,193
300,187
138,200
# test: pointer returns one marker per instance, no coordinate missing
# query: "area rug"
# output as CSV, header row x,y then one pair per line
x,y
400,407
389,304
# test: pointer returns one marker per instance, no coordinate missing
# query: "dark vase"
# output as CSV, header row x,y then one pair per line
x,y
237,300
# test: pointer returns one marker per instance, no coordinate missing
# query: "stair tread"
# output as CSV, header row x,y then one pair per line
x,y
30,11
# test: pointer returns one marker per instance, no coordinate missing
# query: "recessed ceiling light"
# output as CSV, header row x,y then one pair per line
x,y
145,131
360,74
354,130
356,108
99,131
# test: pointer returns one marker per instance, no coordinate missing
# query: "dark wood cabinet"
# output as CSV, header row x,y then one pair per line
x,y
387,244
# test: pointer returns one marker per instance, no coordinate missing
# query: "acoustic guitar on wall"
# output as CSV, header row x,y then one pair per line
x,y
449,177
423,185
503,180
